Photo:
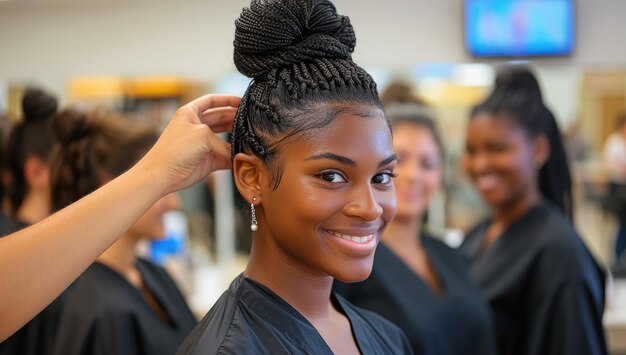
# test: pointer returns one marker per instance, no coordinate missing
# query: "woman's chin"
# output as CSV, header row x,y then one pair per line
x,y
355,274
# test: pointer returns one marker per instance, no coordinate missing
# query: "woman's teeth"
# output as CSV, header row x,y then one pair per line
x,y
354,238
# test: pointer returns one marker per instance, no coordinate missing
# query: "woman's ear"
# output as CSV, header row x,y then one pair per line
x,y
249,173
541,151
36,173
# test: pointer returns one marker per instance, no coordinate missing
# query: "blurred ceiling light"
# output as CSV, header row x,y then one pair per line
x,y
473,75
432,70
432,88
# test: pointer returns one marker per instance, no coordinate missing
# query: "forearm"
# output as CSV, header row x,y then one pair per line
x,y
38,263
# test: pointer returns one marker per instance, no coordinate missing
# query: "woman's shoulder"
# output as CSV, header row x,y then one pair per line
x,y
436,245
449,256
473,239
561,252
554,232
211,332
234,325
97,293
156,273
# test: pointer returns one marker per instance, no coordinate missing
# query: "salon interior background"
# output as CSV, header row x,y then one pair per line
x,y
51,43
54,40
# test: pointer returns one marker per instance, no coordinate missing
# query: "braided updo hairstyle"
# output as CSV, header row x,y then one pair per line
x,y
299,55
94,147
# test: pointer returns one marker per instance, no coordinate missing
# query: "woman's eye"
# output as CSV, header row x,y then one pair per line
x,y
383,178
497,147
430,163
332,177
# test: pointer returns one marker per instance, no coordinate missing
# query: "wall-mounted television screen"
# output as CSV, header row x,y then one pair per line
x,y
519,28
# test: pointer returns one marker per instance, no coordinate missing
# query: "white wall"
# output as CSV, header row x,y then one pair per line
x,y
49,41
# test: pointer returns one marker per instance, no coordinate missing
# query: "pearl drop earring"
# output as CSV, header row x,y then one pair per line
x,y
254,225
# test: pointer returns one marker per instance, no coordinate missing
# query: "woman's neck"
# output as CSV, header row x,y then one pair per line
x,y
504,216
121,257
308,293
34,208
507,214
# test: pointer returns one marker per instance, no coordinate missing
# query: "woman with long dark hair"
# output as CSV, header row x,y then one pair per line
x,y
545,290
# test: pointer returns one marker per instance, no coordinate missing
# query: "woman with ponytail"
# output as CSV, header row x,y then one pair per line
x,y
545,289
121,304
313,157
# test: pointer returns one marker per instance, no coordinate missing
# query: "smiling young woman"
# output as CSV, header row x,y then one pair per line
x,y
313,156
545,290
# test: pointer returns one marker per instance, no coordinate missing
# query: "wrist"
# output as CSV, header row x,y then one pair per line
x,y
149,179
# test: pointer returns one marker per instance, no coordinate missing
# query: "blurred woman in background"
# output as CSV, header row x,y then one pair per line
x,y
29,147
417,281
121,304
545,289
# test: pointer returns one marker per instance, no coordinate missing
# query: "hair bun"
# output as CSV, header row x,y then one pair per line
x,y
71,125
38,105
271,34
518,79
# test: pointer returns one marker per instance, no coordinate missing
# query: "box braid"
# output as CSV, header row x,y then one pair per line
x,y
299,55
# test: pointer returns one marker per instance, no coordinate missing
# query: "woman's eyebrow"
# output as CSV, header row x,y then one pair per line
x,y
348,161
332,156
388,160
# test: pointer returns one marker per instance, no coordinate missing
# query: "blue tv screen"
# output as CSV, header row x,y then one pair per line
x,y
519,28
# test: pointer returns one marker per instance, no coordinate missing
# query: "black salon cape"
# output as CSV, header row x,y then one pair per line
x,y
38,335
458,322
9,225
545,289
250,319
104,314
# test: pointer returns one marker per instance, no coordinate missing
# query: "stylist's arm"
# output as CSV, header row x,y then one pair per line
x,y
38,263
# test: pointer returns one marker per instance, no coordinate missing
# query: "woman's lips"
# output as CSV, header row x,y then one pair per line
x,y
487,182
357,244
